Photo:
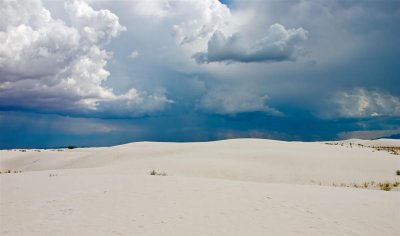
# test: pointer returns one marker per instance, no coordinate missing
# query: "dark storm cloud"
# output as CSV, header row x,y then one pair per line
x,y
46,130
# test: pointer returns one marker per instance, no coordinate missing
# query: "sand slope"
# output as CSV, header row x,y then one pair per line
x,y
231,187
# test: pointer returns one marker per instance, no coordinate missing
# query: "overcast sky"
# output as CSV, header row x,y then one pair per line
x,y
102,72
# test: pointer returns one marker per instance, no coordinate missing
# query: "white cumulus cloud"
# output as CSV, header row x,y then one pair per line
x,y
360,102
191,19
134,54
278,44
51,65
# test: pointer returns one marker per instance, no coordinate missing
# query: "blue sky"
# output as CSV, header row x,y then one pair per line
x,y
99,72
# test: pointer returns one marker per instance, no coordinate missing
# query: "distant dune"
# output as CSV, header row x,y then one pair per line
x,y
230,187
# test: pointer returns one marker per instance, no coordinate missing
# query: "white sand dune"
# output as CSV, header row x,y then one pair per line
x,y
231,187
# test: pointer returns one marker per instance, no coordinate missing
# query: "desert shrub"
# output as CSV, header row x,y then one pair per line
x,y
10,171
154,172
397,172
385,186
391,150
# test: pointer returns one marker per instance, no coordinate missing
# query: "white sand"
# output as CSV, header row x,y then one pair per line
x,y
232,187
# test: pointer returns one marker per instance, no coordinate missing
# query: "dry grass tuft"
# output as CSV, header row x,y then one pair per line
x,y
154,172
391,150
10,171
385,186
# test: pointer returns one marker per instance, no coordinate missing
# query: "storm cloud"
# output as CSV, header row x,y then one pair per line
x,y
184,70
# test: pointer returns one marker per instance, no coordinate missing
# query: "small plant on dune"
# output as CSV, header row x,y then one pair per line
x,y
154,172
385,186
391,150
10,171
397,172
